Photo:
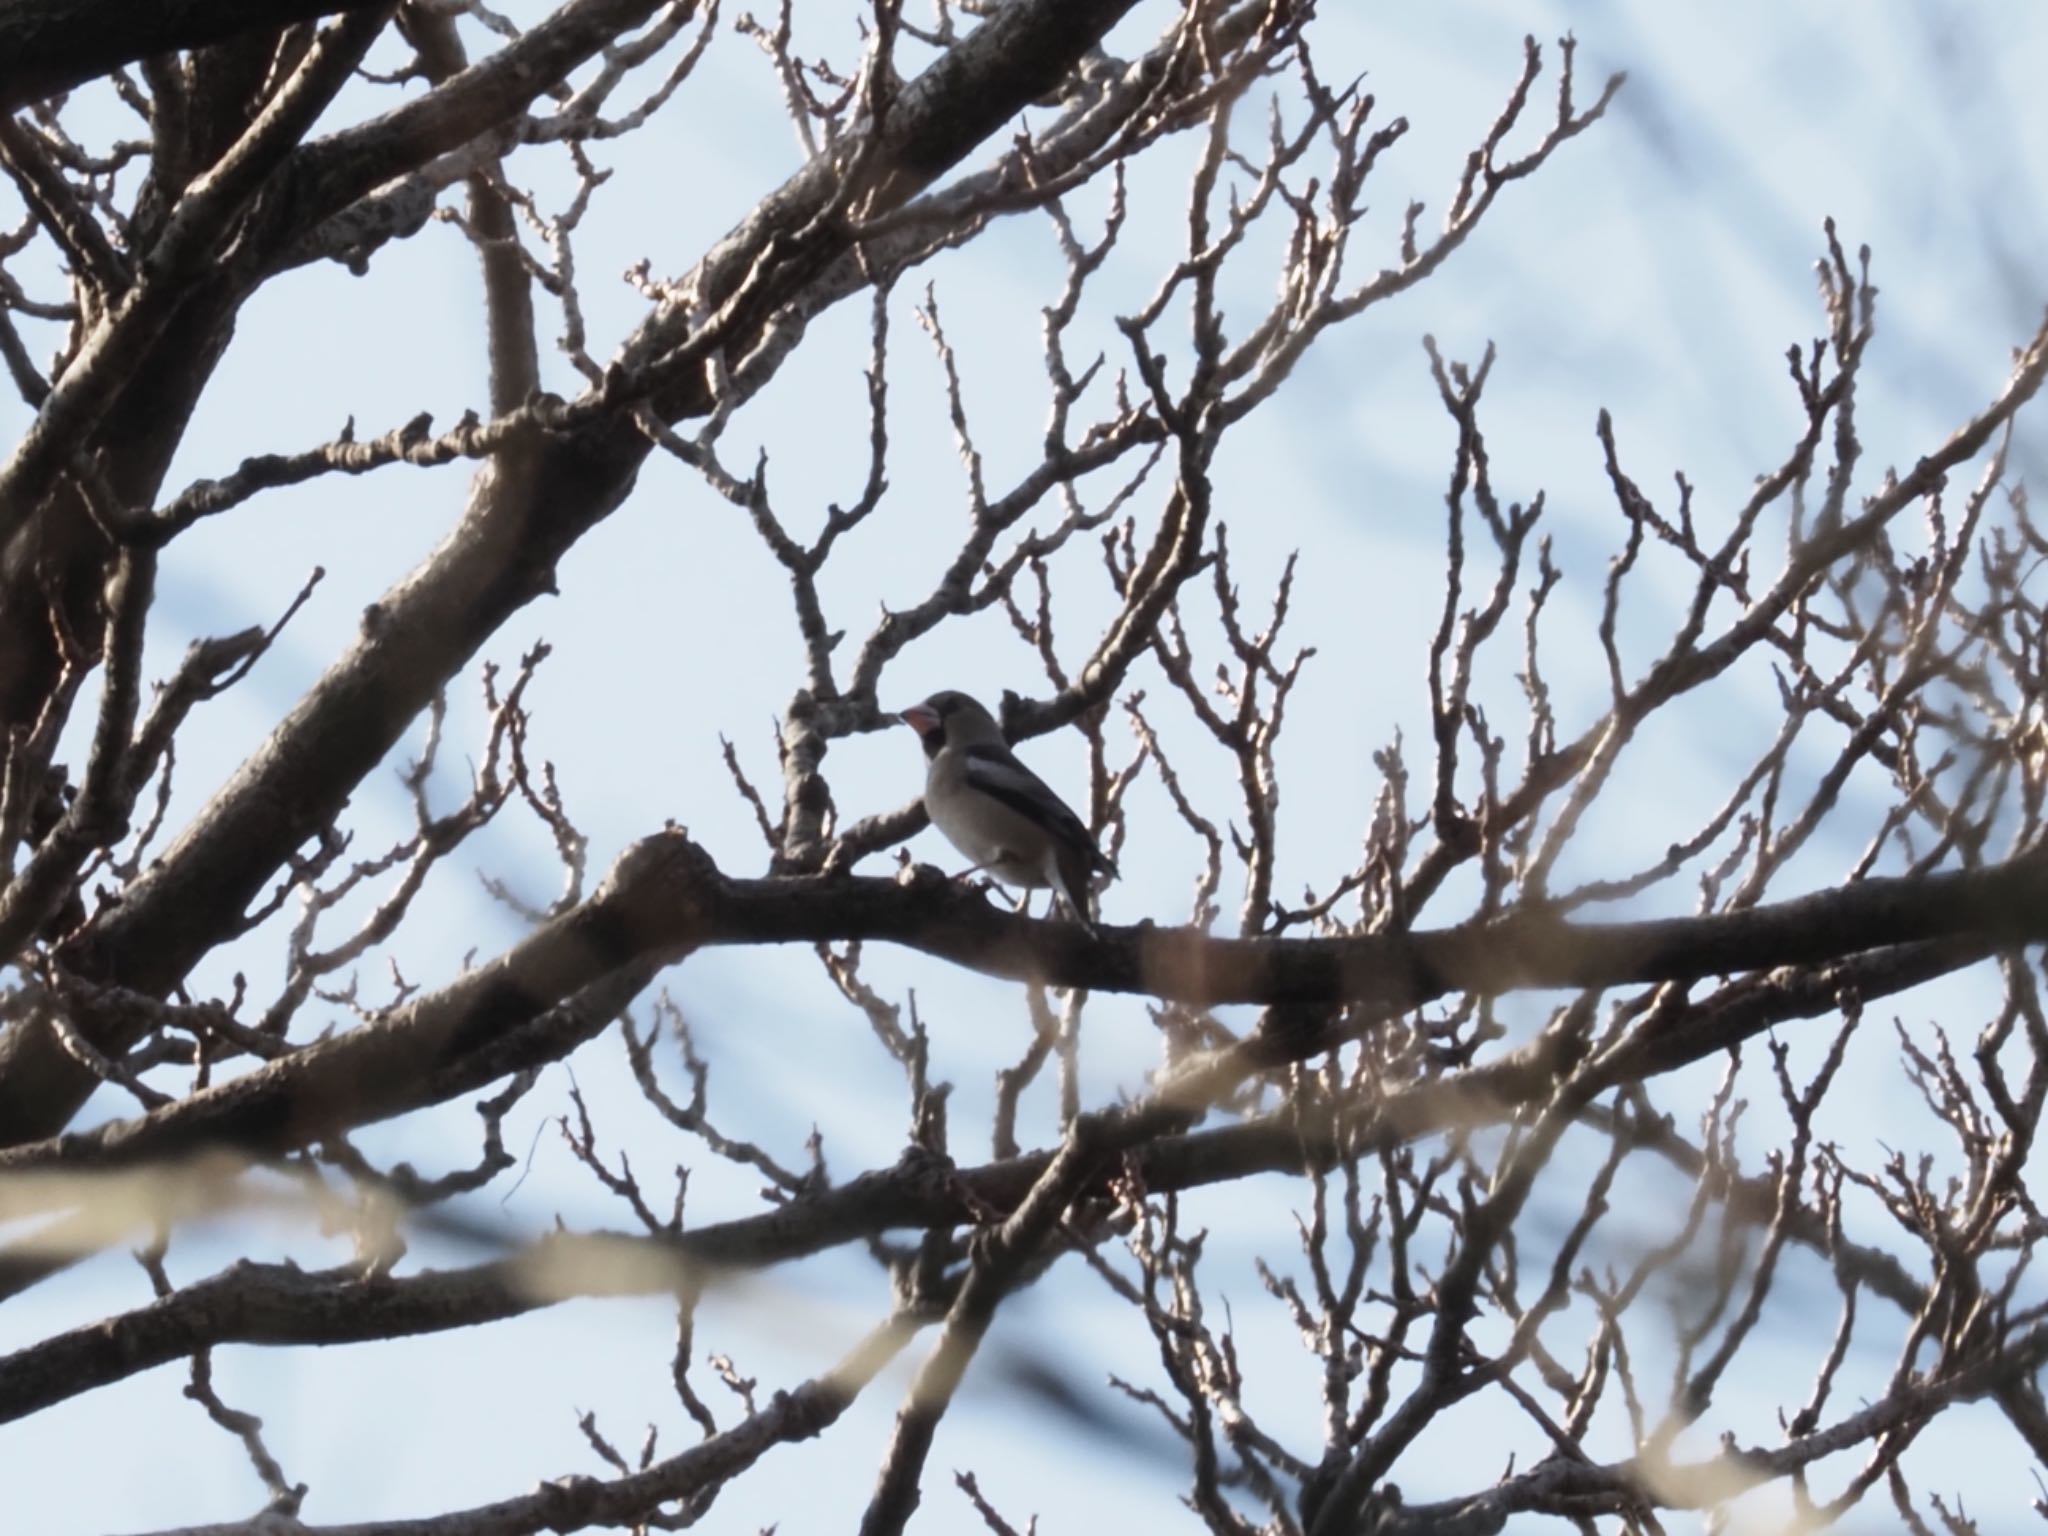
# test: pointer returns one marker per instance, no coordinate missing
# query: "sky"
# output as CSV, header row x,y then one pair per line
x,y
1659,266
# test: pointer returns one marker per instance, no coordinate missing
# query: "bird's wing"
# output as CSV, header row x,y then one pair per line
x,y
996,772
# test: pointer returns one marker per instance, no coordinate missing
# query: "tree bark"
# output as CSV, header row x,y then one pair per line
x,y
53,45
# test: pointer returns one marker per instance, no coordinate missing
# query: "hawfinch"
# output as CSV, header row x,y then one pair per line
x,y
998,812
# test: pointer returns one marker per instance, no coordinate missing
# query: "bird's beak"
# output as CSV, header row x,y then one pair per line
x,y
923,717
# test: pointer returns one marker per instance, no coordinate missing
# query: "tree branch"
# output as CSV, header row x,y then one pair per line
x,y
537,498
665,897
53,45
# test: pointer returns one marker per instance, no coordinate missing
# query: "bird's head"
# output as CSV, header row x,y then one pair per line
x,y
950,718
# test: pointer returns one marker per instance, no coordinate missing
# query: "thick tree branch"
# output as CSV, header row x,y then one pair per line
x,y
257,1304
176,271
560,986
530,506
665,897
330,173
53,45
260,1304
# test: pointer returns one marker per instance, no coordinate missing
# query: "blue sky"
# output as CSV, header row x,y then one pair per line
x,y
1659,267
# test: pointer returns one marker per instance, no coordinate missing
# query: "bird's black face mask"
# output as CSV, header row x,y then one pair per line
x,y
936,708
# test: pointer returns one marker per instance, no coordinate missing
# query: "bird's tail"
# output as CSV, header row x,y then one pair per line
x,y
1069,871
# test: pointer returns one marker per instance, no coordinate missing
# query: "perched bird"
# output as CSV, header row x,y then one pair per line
x,y
995,810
